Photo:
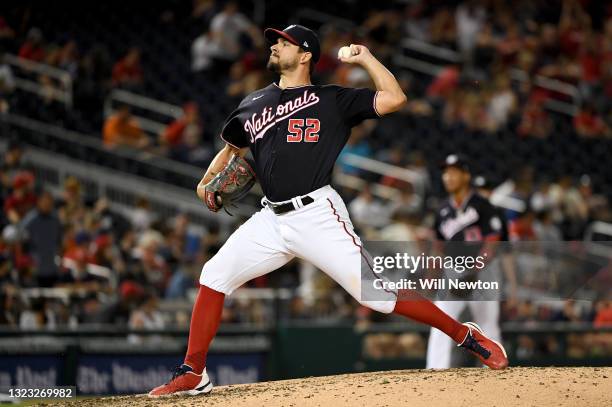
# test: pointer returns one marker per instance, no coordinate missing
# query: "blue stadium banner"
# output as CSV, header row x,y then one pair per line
x,y
31,371
123,374
108,374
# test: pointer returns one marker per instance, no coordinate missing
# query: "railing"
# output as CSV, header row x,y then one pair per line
x,y
417,65
431,50
93,269
93,330
308,14
117,96
506,327
99,330
358,184
598,228
62,94
594,234
383,169
63,294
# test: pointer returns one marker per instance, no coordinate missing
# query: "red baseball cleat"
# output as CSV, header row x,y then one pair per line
x,y
184,381
490,352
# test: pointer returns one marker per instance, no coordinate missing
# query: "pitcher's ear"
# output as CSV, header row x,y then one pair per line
x,y
306,57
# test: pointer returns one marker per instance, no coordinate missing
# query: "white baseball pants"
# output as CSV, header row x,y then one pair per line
x,y
320,233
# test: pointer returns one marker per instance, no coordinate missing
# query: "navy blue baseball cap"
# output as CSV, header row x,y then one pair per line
x,y
457,161
298,35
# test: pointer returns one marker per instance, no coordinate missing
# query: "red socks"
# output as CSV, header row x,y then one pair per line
x,y
205,320
208,306
414,306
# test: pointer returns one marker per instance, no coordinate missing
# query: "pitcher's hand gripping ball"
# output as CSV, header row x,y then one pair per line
x,y
230,185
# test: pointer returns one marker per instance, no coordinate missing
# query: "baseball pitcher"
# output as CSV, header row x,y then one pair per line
x,y
295,131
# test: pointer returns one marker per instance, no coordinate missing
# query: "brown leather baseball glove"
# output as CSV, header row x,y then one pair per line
x,y
230,185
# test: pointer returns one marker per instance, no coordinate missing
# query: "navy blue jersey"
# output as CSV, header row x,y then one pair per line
x,y
297,133
474,221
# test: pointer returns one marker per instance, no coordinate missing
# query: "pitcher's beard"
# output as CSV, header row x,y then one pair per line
x,y
273,66
276,67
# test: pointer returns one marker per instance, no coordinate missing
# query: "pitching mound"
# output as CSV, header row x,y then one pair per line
x,y
457,387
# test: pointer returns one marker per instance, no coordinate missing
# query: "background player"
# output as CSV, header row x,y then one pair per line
x,y
295,131
464,217
484,186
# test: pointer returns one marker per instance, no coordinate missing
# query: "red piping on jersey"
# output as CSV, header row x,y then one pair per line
x,y
223,138
355,242
374,103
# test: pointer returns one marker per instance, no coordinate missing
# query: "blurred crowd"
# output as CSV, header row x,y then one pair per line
x,y
114,266
502,57
507,51
502,54
536,208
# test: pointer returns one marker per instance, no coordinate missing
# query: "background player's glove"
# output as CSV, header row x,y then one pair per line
x,y
230,185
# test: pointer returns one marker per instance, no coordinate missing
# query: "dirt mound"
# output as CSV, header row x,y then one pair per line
x,y
582,386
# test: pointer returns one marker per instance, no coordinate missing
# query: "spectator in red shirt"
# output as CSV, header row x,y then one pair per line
x,y
603,318
32,48
589,124
173,135
22,199
445,82
521,228
81,250
509,47
590,60
127,72
574,22
183,138
535,121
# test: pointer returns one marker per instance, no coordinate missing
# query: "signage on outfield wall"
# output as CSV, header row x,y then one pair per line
x,y
107,374
30,371
112,374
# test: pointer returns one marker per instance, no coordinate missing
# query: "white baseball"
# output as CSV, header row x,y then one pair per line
x,y
345,52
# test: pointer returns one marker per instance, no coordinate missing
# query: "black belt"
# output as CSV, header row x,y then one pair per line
x,y
279,209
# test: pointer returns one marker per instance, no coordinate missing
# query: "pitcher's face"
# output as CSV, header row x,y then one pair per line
x,y
284,56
